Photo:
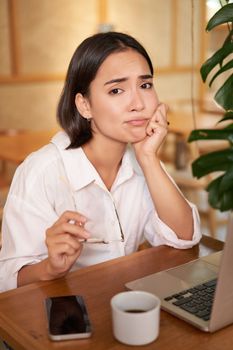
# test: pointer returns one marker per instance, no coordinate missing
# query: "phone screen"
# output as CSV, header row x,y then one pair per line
x,y
67,317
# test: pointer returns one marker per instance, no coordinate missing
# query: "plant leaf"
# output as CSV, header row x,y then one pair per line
x,y
220,190
229,127
211,162
227,116
229,37
211,134
226,183
224,96
224,68
224,15
214,196
222,201
216,58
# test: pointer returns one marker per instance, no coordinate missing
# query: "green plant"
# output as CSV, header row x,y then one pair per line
x,y
220,189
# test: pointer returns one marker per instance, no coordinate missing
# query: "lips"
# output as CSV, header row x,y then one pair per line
x,y
137,122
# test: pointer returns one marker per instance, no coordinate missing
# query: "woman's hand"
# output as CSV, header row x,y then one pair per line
x,y
156,132
63,243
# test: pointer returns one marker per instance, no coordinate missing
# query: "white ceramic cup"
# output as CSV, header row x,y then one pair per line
x,y
135,317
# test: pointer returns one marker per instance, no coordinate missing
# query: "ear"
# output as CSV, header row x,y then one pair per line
x,y
83,106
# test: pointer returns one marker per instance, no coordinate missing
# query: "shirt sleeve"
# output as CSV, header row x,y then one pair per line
x,y
158,233
9,271
23,235
28,212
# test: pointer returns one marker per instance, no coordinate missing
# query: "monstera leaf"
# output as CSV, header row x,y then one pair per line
x,y
219,163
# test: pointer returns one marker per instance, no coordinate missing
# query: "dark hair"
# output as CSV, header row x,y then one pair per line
x,y
82,70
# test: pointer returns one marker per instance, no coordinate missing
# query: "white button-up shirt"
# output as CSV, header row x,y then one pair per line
x,y
53,180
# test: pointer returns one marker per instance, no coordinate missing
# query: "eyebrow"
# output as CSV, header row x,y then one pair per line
x,y
120,80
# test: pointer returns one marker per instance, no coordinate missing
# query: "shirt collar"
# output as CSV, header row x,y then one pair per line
x,y
80,171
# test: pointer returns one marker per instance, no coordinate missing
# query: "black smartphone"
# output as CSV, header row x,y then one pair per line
x,y
67,317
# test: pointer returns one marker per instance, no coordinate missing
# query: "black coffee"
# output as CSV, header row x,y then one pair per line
x,y
135,311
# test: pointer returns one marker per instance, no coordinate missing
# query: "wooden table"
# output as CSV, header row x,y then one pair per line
x,y
22,315
15,148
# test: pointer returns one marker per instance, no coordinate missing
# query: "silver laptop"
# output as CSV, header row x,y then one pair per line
x,y
199,292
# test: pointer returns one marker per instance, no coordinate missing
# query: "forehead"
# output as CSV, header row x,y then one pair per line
x,y
123,64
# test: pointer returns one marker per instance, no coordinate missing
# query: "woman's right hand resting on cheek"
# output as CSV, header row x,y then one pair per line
x,y
64,242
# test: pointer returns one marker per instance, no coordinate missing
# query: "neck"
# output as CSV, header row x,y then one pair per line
x,y
106,159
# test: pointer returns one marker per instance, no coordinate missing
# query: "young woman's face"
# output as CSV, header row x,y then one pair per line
x,y
122,98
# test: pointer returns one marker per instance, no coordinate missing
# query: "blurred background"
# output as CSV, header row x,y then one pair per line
x,y
38,39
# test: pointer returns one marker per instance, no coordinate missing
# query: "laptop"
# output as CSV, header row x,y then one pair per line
x,y
199,292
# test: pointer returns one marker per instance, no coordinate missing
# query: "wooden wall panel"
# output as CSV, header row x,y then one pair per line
x,y
39,37
185,29
29,106
5,61
149,21
173,88
50,31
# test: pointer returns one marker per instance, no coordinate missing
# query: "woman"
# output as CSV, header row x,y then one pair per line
x,y
98,189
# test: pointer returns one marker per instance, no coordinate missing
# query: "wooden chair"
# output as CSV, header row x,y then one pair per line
x,y
6,169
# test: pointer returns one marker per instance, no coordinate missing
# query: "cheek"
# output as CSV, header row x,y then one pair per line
x,y
153,102
104,119
107,111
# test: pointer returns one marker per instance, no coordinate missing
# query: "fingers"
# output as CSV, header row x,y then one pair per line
x,y
71,216
66,244
75,229
61,257
68,229
158,123
160,115
63,242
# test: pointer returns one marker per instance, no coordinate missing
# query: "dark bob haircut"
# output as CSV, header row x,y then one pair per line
x,y
82,70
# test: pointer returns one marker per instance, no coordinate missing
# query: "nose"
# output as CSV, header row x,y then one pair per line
x,y
136,101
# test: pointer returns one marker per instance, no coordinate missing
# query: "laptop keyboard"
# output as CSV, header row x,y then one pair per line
x,y
197,300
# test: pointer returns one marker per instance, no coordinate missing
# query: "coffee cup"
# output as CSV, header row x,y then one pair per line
x,y
135,317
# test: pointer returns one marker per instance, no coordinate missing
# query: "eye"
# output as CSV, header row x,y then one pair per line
x,y
115,91
146,85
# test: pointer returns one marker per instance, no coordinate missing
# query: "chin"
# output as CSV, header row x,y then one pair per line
x,y
133,137
137,138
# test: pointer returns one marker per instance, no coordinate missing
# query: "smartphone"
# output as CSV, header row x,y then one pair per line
x,y
67,318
